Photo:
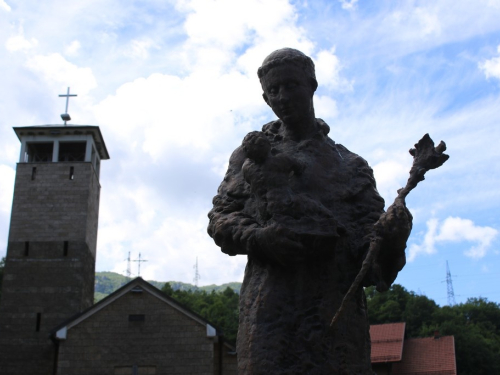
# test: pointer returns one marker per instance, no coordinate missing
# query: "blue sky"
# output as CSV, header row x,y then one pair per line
x,y
173,86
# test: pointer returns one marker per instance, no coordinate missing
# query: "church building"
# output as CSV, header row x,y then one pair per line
x,y
48,322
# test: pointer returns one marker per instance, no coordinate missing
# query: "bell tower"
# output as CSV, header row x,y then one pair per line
x,y
51,252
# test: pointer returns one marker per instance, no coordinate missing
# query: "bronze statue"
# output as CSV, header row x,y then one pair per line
x,y
303,209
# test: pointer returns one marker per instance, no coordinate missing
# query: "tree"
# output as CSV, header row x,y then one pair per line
x,y
418,315
387,307
475,326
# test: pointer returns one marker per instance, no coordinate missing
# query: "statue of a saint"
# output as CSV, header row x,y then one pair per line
x,y
303,209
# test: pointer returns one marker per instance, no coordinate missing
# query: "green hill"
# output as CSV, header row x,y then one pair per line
x,y
107,282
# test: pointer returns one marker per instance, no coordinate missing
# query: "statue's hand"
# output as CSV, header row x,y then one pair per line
x,y
396,223
393,228
277,244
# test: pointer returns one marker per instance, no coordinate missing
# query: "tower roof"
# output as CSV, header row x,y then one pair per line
x,y
61,130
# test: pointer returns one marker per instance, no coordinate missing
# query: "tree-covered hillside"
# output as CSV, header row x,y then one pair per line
x,y
107,282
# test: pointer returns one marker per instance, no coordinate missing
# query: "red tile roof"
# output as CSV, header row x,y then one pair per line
x,y
387,342
427,356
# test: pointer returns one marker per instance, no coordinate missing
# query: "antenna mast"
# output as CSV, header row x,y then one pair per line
x,y
449,284
129,272
197,276
139,261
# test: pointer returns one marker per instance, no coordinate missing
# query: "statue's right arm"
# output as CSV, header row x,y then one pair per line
x,y
231,228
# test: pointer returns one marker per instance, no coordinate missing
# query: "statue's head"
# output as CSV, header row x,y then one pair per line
x,y
289,56
289,82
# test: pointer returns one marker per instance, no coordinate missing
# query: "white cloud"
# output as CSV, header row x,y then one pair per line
x,y
20,43
491,67
325,107
414,23
348,4
139,48
455,229
73,48
166,113
328,67
58,72
428,21
215,29
5,6
427,246
390,175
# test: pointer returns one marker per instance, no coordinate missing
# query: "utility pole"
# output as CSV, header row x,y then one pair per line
x,y
449,284
129,272
197,276
139,261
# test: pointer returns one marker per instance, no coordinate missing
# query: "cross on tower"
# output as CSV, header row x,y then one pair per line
x,y
65,116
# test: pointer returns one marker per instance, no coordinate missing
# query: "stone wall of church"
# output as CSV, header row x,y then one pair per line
x,y
50,262
55,202
137,330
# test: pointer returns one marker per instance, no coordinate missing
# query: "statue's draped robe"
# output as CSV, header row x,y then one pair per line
x,y
286,306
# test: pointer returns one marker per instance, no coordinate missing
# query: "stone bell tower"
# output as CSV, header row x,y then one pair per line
x,y
51,252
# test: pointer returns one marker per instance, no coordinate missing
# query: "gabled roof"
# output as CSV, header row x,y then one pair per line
x,y
387,342
137,285
427,356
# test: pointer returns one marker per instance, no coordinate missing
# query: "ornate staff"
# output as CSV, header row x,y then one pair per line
x,y
425,157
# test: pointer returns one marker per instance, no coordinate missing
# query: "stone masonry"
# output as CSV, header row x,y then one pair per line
x,y
50,263
139,329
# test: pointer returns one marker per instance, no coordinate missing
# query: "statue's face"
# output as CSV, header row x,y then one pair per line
x,y
289,92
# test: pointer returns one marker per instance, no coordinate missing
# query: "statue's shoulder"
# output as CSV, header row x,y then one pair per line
x,y
348,156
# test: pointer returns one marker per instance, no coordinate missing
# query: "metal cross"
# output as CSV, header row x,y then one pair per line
x,y
65,116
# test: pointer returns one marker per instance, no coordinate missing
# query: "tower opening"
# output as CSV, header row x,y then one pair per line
x,y
39,152
72,151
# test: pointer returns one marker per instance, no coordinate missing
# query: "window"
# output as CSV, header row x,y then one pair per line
x,y
38,321
136,318
72,151
33,173
71,173
39,152
65,248
26,248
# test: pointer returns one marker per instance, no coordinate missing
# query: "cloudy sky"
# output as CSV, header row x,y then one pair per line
x,y
173,86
